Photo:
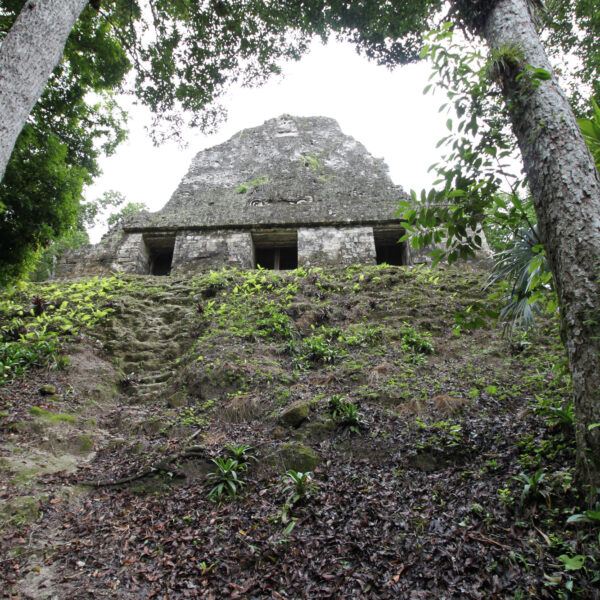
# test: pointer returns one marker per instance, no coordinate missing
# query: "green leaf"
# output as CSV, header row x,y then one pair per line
x,y
572,563
290,527
541,74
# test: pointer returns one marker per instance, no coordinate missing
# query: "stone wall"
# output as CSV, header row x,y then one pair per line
x,y
333,246
132,256
83,262
196,250
90,260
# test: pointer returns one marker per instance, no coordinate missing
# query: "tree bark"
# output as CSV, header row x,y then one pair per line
x,y
28,54
566,194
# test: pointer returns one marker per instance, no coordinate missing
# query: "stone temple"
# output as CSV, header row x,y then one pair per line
x,y
293,192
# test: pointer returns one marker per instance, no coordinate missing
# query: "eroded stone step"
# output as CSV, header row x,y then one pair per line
x,y
143,388
156,377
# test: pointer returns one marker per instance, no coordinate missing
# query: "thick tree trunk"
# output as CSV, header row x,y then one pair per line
x,y
566,193
28,54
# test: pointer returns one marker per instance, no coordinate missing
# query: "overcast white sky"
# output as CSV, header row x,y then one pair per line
x,y
385,110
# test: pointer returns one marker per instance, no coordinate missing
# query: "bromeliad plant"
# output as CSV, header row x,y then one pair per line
x,y
345,413
532,486
555,412
241,452
225,479
299,486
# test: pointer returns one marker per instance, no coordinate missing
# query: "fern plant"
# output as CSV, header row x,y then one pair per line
x,y
522,270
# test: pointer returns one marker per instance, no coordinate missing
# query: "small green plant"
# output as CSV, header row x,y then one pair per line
x,y
574,563
317,348
189,416
505,496
244,187
241,452
555,412
591,516
570,565
532,486
225,479
299,483
345,413
299,486
313,162
16,358
206,568
414,341
361,336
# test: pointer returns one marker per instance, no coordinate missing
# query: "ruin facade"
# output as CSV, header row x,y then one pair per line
x,y
293,192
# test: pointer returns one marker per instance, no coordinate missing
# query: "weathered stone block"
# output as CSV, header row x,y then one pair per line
x,y
196,250
294,415
331,246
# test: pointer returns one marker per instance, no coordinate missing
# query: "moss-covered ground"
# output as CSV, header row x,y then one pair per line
x,y
154,433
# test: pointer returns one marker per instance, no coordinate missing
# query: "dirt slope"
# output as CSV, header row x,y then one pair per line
x,y
412,436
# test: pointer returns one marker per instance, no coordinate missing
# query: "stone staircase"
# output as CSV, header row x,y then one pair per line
x,y
151,328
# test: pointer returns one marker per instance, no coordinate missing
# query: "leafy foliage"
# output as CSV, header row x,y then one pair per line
x,y
591,516
522,271
89,214
35,323
17,358
299,486
225,479
532,485
38,200
591,132
131,208
240,452
415,341
573,28
479,146
345,413
56,153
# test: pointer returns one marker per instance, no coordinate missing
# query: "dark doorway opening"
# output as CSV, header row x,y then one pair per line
x,y
278,259
161,263
160,253
387,248
276,249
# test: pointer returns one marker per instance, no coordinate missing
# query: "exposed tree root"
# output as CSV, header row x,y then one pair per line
x,y
163,466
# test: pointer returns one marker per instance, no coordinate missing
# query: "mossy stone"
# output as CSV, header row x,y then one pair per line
x,y
48,390
177,400
320,431
294,415
299,457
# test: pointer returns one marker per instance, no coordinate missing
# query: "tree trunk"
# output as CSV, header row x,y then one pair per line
x,y
28,54
566,194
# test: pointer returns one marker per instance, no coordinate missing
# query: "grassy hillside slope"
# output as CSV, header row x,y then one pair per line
x,y
303,434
